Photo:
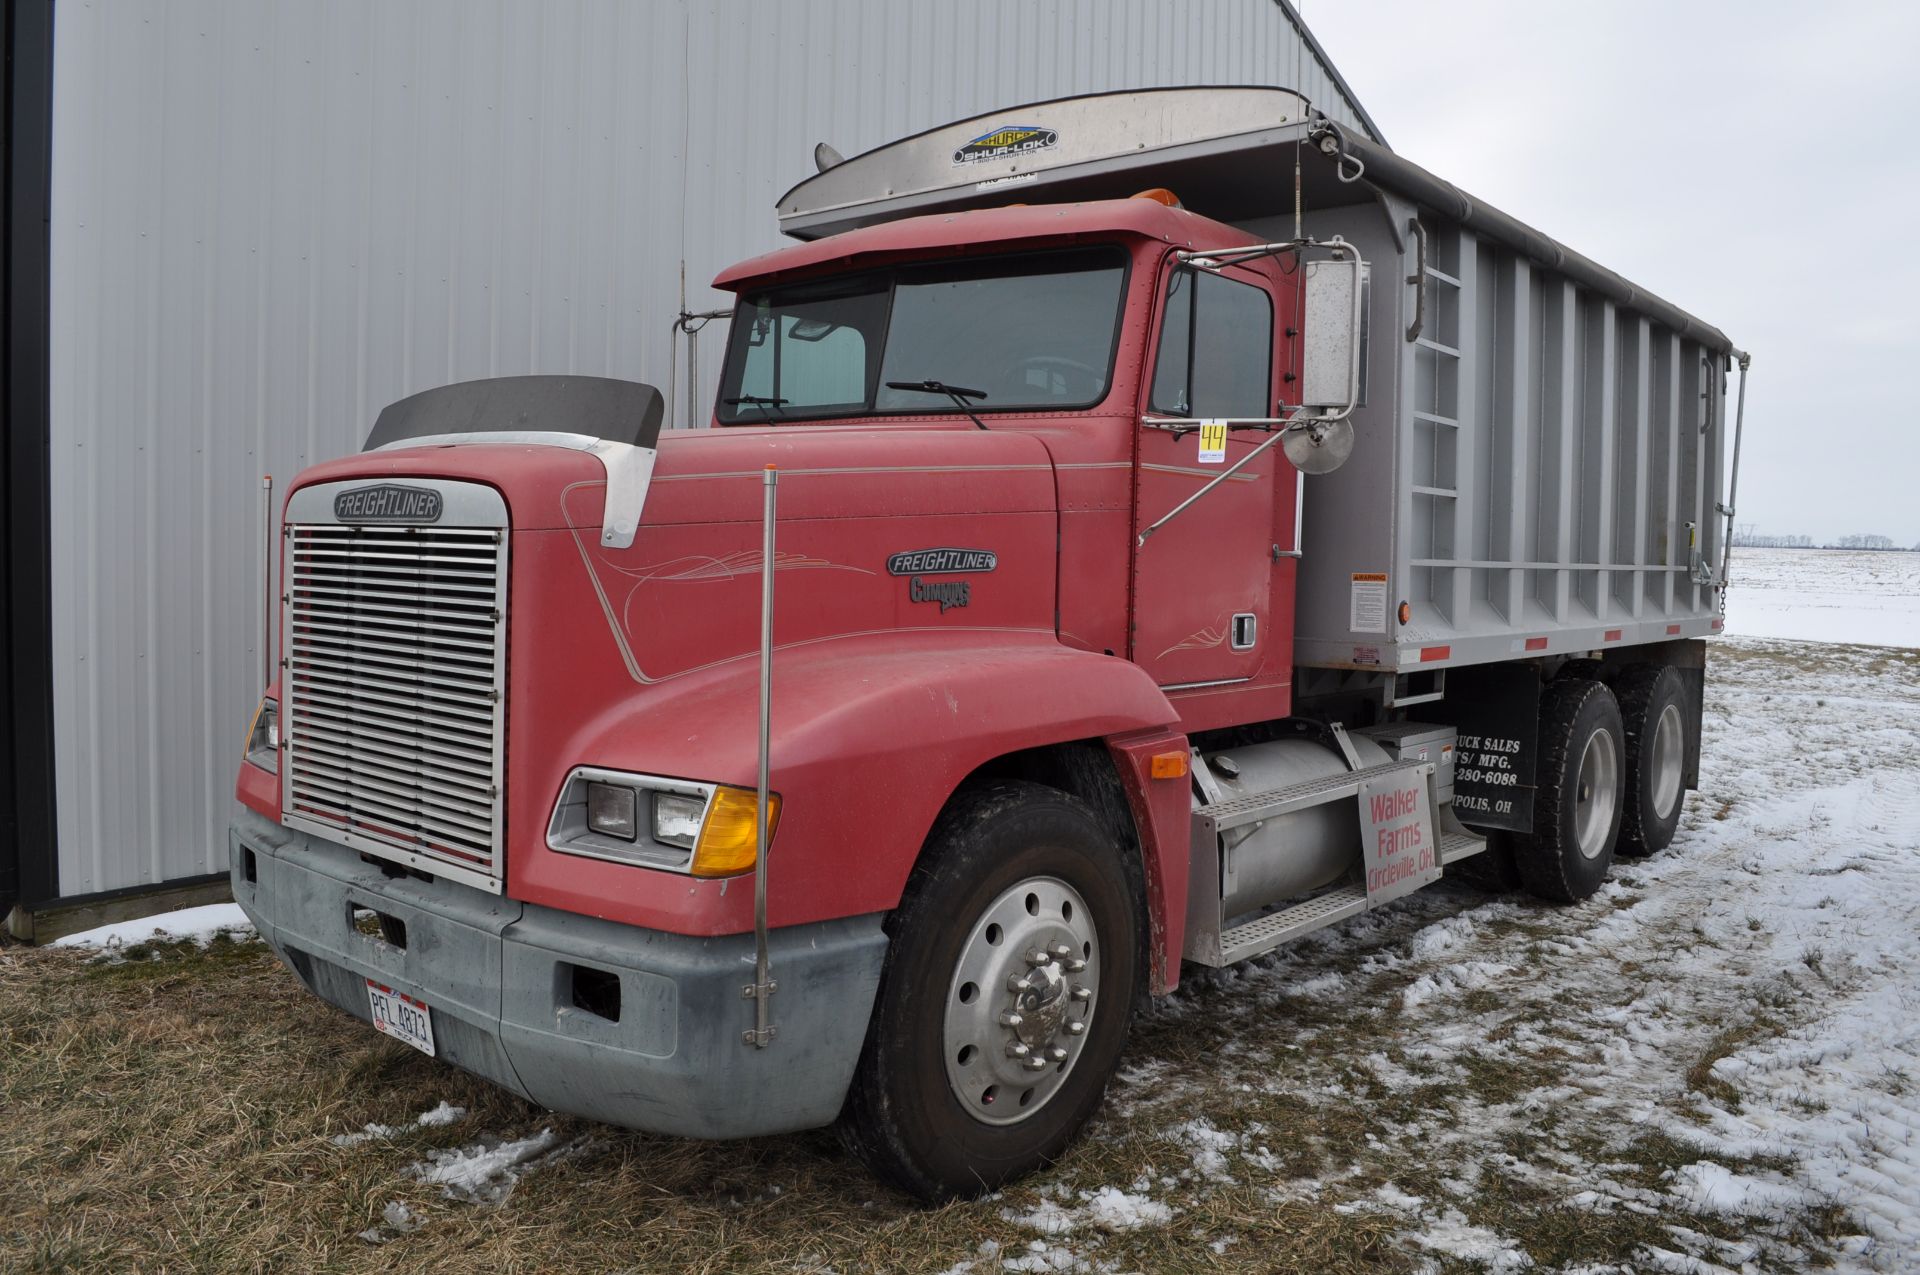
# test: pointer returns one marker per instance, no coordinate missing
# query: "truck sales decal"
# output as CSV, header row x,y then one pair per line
x,y
1008,139
387,503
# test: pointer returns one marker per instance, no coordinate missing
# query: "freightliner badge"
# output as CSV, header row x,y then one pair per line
x,y
387,503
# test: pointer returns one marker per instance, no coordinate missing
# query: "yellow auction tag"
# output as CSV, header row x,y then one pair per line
x,y
1213,442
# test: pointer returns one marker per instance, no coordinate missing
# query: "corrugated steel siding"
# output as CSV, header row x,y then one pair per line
x,y
271,219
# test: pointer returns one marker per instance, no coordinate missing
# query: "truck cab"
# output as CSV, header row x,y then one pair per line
x,y
865,758
1068,325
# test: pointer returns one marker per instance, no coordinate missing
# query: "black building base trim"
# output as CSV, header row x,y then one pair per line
x,y
61,917
29,855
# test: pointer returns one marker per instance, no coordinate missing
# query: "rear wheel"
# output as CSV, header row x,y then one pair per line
x,y
1004,1004
1577,804
1653,711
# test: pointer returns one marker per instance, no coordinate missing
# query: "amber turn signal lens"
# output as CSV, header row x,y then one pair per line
x,y
1169,765
1406,613
730,839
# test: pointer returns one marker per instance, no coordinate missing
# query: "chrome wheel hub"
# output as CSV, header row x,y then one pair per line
x,y
1669,749
1597,793
1021,999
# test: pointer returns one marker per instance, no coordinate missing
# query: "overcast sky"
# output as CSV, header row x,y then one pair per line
x,y
1755,163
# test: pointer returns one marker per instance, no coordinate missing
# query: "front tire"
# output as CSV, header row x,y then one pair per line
x,y
1004,1003
1576,807
1653,709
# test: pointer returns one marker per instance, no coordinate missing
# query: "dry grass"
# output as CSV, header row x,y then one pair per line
x,y
176,1111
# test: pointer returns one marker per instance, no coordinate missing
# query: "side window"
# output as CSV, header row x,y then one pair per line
x,y
1216,348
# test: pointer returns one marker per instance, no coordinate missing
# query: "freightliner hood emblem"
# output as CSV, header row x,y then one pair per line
x,y
387,502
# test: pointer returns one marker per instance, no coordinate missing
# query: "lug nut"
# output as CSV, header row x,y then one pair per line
x,y
1017,1050
1081,992
1019,983
1034,1064
1076,1028
1060,949
1037,958
1076,965
1056,1053
1011,1019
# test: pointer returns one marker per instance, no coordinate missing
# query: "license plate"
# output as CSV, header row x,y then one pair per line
x,y
401,1017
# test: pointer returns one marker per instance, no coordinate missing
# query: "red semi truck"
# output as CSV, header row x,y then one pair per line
x,y
1071,681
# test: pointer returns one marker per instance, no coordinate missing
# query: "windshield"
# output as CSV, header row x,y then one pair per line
x,y
1034,332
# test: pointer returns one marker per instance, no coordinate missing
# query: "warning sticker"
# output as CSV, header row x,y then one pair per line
x,y
1396,824
1213,442
1367,608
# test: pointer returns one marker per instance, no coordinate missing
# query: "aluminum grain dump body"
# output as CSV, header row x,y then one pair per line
x,y
1539,442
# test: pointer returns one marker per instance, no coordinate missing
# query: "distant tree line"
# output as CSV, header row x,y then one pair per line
x,y
1748,537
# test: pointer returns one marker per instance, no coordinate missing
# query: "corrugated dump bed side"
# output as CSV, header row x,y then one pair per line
x,y
1537,468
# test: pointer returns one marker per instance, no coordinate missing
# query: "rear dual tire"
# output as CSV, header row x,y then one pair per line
x,y
1577,805
1654,712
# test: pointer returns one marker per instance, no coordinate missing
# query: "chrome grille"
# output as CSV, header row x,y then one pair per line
x,y
393,692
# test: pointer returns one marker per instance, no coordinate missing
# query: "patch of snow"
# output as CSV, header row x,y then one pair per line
x,y
201,924
1112,1209
1714,1188
396,1219
366,1134
1207,1145
487,1171
444,1114
1041,1256
1106,1209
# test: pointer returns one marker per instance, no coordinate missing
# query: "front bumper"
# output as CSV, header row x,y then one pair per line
x,y
500,978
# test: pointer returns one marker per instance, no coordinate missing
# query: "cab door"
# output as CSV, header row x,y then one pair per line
x,y
1203,583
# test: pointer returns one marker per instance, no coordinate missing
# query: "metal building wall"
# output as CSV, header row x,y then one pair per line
x,y
272,218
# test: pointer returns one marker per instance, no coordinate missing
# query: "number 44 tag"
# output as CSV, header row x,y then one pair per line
x,y
1213,442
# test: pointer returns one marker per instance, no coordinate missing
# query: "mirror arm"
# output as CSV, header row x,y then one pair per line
x,y
1217,479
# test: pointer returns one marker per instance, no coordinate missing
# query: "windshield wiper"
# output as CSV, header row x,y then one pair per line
x,y
760,401
958,393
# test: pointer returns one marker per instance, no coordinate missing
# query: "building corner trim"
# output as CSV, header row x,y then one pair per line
x,y
29,866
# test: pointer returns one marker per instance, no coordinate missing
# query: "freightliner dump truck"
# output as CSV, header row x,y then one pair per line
x,y
1134,529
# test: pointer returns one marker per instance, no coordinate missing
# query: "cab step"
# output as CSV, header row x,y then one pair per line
x,y
1457,843
1315,792
1264,933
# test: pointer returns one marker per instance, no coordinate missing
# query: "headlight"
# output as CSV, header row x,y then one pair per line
x,y
263,739
610,810
703,830
677,818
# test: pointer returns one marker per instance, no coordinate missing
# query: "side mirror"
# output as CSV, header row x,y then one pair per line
x,y
1333,362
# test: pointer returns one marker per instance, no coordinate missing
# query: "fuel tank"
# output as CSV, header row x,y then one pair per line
x,y
1293,854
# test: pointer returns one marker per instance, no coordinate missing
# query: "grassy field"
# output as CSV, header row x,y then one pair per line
x,y
1462,1082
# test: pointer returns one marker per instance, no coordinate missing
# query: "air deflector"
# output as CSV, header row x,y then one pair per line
x,y
599,407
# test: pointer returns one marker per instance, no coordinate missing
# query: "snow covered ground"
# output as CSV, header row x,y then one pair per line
x,y
1826,595
1729,1032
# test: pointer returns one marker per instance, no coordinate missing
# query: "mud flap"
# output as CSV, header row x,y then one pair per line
x,y
1496,709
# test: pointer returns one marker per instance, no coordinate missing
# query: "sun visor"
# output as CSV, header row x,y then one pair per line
x,y
1098,146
